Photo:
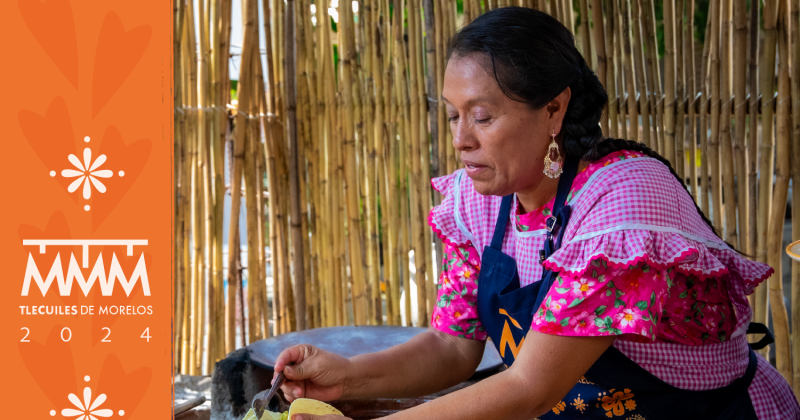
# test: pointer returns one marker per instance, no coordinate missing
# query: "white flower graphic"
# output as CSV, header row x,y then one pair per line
x,y
87,173
87,410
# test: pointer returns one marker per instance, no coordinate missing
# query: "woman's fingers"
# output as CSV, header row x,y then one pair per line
x,y
292,355
296,372
292,391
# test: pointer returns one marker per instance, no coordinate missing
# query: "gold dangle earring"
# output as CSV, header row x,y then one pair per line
x,y
553,166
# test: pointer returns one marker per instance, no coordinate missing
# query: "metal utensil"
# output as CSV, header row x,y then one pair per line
x,y
262,399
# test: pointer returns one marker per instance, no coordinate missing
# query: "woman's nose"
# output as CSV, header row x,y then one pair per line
x,y
463,137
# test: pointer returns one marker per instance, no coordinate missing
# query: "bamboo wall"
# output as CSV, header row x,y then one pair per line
x,y
331,147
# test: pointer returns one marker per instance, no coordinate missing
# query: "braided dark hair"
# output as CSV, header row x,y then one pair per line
x,y
533,58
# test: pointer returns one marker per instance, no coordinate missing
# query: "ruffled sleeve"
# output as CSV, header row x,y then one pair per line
x,y
604,300
636,214
456,310
442,218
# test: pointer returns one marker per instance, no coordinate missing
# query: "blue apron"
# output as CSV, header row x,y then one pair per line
x,y
614,386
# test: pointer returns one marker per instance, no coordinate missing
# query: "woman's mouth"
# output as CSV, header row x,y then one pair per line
x,y
473,168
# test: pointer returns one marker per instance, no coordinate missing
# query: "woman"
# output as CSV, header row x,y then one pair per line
x,y
641,311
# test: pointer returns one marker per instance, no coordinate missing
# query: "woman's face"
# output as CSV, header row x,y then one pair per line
x,y
502,142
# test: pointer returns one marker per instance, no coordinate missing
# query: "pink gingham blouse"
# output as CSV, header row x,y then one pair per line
x,y
637,262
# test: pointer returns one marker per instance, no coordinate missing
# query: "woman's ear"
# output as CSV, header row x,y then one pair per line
x,y
557,108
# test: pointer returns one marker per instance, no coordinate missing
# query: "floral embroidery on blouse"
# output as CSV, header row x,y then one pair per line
x,y
638,302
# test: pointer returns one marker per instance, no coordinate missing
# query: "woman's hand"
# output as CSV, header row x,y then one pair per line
x,y
312,373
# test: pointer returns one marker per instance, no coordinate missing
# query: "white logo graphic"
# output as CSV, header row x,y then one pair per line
x,y
98,273
87,173
87,409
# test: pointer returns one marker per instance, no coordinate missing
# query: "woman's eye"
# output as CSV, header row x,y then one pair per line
x,y
482,121
452,119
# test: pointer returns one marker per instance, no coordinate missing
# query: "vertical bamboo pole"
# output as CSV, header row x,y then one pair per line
x,y
424,182
569,16
340,263
780,320
691,90
639,68
240,290
323,217
600,48
208,194
275,168
222,98
306,152
467,17
703,196
767,152
740,100
195,188
335,171
287,308
726,156
417,229
669,81
753,146
476,9
621,79
611,70
347,51
433,168
586,32
249,48
383,139
257,150
795,172
402,165
298,264
441,36
180,141
680,94
251,202
452,158
186,146
654,75
713,155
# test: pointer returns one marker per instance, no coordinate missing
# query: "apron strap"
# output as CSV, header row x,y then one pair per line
x,y
758,328
560,215
564,185
502,221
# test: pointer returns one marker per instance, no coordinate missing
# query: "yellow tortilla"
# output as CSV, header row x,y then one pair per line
x,y
251,415
309,406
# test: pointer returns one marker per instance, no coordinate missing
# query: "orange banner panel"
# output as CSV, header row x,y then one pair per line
x,y
86,182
